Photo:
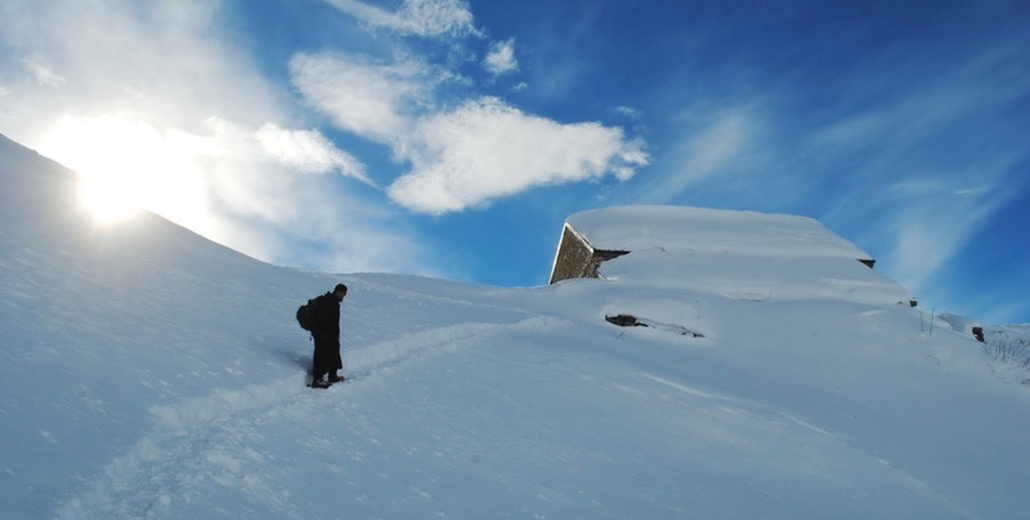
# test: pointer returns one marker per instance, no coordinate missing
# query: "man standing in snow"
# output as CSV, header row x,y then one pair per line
x,y
326,331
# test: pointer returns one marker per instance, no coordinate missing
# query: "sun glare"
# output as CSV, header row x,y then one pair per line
x,y
109,198
126,167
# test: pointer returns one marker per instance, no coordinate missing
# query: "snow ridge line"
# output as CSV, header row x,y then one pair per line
x,y
145,480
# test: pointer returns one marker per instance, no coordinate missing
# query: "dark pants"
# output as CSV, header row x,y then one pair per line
x,y
326,359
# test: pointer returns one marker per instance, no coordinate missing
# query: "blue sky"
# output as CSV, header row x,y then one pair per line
x,y
452,138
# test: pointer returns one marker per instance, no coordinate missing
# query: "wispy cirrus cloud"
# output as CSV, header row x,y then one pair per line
x,y
307,151
915,167
893,158
419,17
715,146
44,76
373,101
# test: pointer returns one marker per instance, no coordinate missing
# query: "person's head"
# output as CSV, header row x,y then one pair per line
x,y
340,291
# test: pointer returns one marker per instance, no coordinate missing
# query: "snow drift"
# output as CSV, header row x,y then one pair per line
x,y
149,373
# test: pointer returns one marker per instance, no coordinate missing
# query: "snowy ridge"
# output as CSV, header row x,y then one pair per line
x,y
148,373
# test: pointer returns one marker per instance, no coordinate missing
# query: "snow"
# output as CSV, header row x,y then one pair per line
x,y
702,229
148,373
738,254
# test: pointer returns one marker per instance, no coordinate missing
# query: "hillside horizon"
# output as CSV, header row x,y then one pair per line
x,y
71,178
149,372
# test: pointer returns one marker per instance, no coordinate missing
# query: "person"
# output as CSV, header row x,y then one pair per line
x,y
325,328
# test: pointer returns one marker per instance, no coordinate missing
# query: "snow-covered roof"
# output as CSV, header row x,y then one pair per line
x,y
678,228
738,254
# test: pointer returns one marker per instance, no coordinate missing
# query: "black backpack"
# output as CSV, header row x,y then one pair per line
x,y
306,314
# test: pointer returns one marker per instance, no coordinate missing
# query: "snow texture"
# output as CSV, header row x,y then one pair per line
x,y
146,372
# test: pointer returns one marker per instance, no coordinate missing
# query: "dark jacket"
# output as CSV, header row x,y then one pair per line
x,y
327,317
326,331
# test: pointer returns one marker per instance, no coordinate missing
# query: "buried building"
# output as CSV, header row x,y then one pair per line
x,y
740,255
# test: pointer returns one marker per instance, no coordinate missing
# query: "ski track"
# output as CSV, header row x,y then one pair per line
x,y
181,449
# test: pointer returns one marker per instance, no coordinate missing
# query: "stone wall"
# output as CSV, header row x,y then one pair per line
x,y
576,258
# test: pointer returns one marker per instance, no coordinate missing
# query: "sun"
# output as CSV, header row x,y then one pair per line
x,y
126,166
110,198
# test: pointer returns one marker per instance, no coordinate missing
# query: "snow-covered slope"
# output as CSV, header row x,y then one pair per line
x,y
148,373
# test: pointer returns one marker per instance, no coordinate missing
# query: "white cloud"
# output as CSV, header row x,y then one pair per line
x,y
156,58
486,149
368,100
308,151
420,17
501,59
629,112
156,95
44,76
462,158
